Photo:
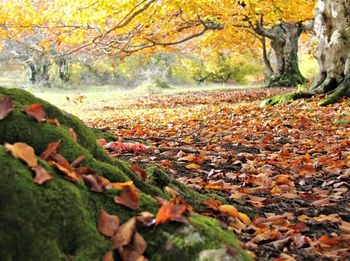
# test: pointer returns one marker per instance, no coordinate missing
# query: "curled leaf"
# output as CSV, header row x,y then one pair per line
x,y
41,175
36,111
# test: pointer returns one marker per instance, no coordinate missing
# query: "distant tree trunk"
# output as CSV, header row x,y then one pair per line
x,y
332,25
39,70
63,70
284,42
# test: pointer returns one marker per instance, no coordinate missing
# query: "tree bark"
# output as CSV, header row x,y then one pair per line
x,y
63,70
284,42
332,25
39,70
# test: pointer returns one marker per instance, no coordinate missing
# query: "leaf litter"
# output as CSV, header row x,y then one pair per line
x,y
290,163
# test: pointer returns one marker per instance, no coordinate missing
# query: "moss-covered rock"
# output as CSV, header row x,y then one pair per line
x,y
57,220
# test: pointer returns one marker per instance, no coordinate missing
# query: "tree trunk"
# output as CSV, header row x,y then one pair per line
x,y
285,45
332,25
63,70
284,42
39,70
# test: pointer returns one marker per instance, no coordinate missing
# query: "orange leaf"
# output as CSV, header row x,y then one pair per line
x,y
229,210
172,210
41,175
107,224
129,197
124,233
68,174
121,185
77,160
6,107
135,249
24,152
244,218
53,122
36,111
108,256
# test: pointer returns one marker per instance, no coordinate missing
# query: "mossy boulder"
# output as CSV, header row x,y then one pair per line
x,y
57,220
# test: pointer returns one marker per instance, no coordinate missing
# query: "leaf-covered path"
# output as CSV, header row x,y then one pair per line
x,y
291,163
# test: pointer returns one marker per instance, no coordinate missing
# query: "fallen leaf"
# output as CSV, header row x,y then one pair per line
x,y
244,218
139,172
73,134
123,235
77,160
6,107
172,211
146,219
193,166
129,197
53,122
229,210
36,111
24,152
121,185
107,224
92,182
108,256
68,174
41,175
52,149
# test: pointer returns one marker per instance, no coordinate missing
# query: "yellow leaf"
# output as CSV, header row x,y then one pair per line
x,y
244,218
229,210
121,185
192,166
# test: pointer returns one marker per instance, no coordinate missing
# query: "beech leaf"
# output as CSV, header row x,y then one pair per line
x,y
24,152
41,175
6,107
123,235
36,111
129,197
107,224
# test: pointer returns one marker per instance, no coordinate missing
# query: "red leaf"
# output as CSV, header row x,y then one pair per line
x,y
36,111
6,107
68,173
124,233
107,224
24,152
129,197
102,142
52,149
41,175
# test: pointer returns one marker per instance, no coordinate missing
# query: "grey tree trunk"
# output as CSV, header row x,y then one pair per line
x,y
284,42
332,25
39,67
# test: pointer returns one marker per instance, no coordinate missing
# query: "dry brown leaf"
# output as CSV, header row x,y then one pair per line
x,y
107,224
129,197
124,233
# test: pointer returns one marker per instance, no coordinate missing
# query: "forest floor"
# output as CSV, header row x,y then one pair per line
x,y
290,163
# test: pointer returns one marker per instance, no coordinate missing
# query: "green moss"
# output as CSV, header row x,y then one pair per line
x,y
57,220
285,98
